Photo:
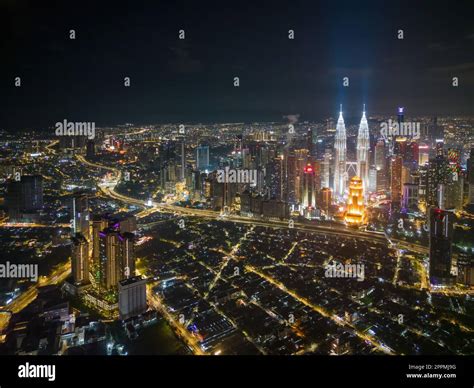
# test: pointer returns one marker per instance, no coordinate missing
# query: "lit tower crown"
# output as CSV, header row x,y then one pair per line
x,y
363,146
340,147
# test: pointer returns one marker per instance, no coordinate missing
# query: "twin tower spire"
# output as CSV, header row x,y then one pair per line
x,y
340,162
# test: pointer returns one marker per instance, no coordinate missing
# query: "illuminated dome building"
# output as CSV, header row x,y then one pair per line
x,y
355,214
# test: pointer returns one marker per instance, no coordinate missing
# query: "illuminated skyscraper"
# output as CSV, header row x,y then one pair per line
x,y
291,178
309,188
326,199
127,251
110,257
113,250
423,154
302,158
98,224
380,155
441,233
275,174
396,180
470,176
202,157
455,181
80,259
340,147
325,169
309,141
80,215
355,214
363,146
410,196
438,173
182,164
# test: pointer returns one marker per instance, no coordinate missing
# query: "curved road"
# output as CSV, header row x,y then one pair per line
x,y
155,206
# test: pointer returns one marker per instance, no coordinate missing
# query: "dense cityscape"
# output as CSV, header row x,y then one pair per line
x,y
344,236
245,192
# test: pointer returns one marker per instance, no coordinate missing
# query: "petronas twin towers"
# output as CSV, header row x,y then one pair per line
x,y
340,159
340,147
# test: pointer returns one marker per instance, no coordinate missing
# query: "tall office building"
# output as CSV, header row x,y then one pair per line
x,y
302,158
363,147
182,159
246,158
99,223
80,259
309,188
422,182
423,154
441,233
309,141
340,148
396,180
470,176
406,175
132,297
411,154
436,131
169,164
90,149
380,158
326,169
437,174
13,200
80,215
24,198
276,178
454,181
396,140
291,179
317,167
202,157
326,200
32,192
110,258
410,197
312,140
372,180
400,115
127,263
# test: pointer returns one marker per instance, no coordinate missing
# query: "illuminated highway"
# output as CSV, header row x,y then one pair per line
x,y
58,275
155,206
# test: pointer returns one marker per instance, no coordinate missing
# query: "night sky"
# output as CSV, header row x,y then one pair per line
x,y
191,80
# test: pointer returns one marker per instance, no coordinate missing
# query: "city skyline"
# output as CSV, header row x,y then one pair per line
x,y
213,179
